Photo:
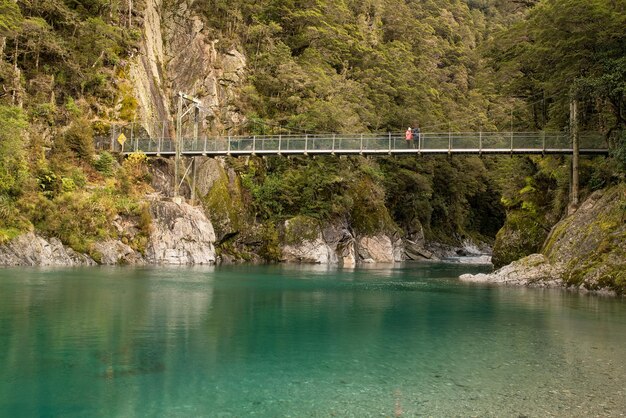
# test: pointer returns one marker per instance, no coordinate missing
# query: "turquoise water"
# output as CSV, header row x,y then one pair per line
x,y
279,341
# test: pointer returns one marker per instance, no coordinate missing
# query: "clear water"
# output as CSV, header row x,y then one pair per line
x,y
303,342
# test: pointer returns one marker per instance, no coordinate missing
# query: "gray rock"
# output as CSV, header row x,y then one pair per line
x,y
309,251
31,249
415,251
532,271
181,235
114,252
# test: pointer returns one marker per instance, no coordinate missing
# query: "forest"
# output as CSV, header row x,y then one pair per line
x,y
344,66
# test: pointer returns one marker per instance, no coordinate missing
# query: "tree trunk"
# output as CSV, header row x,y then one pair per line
x,y
575,154
130,13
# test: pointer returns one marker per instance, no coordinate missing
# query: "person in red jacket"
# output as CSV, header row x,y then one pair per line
x,y
409,137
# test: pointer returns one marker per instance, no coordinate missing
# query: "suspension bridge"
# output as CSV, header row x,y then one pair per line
x,y
574,143
393,143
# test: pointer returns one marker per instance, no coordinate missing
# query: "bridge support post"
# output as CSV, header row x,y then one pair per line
x,y
179,135
193,182
575,154
480,142
179,132
419,143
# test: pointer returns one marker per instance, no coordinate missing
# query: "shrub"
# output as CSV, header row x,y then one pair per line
x,y
105,164
79,139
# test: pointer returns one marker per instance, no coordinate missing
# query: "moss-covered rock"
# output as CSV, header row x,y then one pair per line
x,y
301,228
222,198
587,250
592,242
523,234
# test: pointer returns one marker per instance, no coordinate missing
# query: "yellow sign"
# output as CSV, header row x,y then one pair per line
x,y
121,139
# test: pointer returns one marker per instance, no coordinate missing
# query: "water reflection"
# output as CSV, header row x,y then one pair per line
x,y
303,339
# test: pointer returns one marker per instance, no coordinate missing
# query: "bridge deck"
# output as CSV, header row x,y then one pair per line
x,y
373,144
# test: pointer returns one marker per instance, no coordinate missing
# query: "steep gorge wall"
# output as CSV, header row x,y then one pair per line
x,y
176,54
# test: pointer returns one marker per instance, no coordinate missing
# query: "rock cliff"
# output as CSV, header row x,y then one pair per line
x,y
306,241
33,250
181,235
178,53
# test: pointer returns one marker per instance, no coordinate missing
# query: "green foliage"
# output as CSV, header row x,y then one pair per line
x,y
323,189
134,173
78,219
564,49
355,66
105,164
270,243
619,154
301,228
72,108
10,17
13,168
79,140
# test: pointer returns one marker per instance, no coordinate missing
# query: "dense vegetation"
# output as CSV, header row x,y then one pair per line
x,y
323,66
60,70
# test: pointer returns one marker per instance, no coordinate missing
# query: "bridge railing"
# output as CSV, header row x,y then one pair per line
x,y
372,143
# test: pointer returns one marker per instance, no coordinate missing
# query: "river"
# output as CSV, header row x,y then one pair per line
x,y
303,341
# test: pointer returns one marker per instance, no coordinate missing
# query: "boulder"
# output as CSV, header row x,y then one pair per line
x,y
375,249
532,271
181,235
309,251
415,251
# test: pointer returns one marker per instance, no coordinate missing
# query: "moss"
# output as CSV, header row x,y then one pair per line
x,y
300,229
554,236
224,205
8,234
96,255
368,213
270,244
522,235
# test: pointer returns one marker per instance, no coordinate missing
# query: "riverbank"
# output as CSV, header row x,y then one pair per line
x,y
585,251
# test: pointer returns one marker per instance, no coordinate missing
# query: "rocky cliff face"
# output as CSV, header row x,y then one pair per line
x,y
181,235
587,250
306,241
178,54
33,250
